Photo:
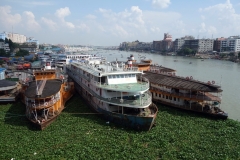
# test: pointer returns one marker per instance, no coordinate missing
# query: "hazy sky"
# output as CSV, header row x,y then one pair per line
x,y
110,22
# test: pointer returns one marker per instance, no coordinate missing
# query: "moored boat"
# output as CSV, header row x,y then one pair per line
x,y
186,93
118,91
46,96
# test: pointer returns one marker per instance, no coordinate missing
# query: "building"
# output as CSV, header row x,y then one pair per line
x,y
2,73
179,42
17,38
217,44
157,45
230,44
200,45
4,46
167,42
32,40
31,47
3,35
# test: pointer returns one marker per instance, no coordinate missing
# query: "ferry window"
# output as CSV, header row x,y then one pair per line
x,y
126,76
110,77
114,76
132,75
117,76
166,97
170,97
159,95
163,96
156,94
122,76
174,98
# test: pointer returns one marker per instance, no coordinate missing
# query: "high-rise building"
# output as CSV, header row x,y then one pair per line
x,y
230,44
17,38
179,42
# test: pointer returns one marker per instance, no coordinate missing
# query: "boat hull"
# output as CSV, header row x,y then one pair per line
x,y
216,115
129,121
125,120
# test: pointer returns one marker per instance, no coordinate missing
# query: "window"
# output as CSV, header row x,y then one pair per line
x,y
156,94
159,95
121,76
174,98
166,97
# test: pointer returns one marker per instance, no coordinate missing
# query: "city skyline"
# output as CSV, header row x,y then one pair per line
x,y
108,23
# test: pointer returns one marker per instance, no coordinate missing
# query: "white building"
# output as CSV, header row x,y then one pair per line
x,y
3,35
4,46
231,44
17,38
32,40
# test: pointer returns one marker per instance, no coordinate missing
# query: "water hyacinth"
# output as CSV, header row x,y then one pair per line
x,y
76,135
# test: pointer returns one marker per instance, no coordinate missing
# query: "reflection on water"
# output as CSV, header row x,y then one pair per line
x,y
224,73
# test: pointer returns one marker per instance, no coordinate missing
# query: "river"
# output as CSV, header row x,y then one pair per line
x,y
224,73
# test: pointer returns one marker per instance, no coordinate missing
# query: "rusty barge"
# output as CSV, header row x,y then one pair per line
x,y
185,93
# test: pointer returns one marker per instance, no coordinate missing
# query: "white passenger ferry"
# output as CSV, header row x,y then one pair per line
x,y
118,91
64,59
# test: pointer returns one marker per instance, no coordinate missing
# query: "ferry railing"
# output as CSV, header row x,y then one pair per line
x,y
42,105
140,101
108,69
206,96
139,86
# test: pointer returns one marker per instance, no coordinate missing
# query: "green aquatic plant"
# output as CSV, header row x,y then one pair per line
x,y
78,133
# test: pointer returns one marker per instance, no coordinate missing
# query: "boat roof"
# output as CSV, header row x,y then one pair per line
x,y
105,69
51,87
7,83
180,82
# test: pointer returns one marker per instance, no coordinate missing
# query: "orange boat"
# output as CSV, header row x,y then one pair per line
x,y
26,65
46,96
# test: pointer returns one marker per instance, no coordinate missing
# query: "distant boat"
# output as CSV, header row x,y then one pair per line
x,y
190,62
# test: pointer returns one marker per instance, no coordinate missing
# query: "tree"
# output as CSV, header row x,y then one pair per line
x,y
186,51
22,53
1,40
2,53
6,40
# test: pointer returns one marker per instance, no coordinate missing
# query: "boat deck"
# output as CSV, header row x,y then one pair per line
x,y
180,82
52,86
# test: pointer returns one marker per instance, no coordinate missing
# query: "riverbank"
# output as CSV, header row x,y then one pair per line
x,y
79,135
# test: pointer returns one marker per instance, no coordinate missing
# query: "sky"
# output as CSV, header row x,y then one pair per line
x,y
111,22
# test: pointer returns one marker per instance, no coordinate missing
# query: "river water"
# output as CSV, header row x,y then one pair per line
x,y
224,73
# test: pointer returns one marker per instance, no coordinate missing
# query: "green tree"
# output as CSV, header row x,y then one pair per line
x,y
11,45
2,53
1,40
22,53
6,40
186,51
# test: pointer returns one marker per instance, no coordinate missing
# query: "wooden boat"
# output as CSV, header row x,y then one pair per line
x,y
9,90
116,91
186,93
46,96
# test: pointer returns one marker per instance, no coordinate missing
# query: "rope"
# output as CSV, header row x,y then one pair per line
x,y
83,113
